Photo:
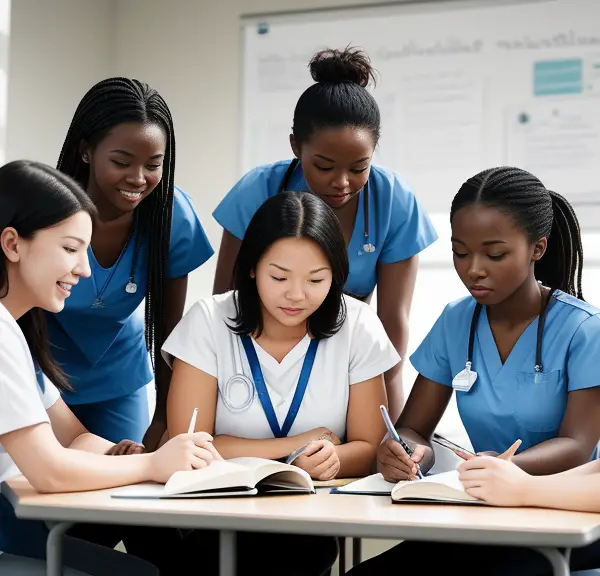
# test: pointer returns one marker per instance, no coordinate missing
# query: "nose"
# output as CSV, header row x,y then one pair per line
x,y
295,292
82,269
136,177
476,268
340,181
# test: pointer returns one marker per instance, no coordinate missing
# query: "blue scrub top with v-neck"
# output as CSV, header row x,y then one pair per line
x,y
398,225
103,350
506,402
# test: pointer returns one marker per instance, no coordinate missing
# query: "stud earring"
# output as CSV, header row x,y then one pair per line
x,y
86,159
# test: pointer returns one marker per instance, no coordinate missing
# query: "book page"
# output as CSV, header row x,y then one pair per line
x,y
444,487
374,484
262,468
219,474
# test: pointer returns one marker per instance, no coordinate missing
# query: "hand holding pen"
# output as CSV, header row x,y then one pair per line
x,y
396,460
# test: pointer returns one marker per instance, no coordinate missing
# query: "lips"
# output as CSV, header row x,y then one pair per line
x,y
131,195
479,291
292,311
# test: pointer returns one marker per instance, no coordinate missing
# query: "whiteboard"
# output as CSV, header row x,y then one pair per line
x,y
462,86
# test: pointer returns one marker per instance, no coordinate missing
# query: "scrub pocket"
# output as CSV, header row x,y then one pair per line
x,y
541,400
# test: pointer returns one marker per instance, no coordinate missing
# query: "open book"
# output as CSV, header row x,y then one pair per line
x,y
444,487
439,488
234,477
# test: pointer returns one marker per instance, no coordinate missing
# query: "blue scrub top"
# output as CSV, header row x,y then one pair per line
x,y
506,403
398,225
103,350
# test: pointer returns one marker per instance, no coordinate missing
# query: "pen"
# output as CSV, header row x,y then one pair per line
x,y
394,436
192,425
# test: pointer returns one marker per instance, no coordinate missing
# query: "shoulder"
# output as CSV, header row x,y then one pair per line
x,y
217,309
360,317
391,185
575,313
183,205
266,177
459,310
12,340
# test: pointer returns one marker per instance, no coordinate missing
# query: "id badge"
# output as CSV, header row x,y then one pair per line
x,y
464,380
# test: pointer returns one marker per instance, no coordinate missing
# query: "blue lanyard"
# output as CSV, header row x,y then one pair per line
x,y
263,393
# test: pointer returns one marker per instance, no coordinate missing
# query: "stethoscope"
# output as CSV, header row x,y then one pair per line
x,y
238,379
465,379
367,246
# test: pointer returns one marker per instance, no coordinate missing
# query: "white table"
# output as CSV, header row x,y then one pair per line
x,y
321,514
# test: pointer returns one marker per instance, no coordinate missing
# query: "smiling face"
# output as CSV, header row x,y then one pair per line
x,y
492,255
126,166
42,270
293,278
336,162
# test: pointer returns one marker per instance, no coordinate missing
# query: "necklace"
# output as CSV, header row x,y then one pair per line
x,y
131,286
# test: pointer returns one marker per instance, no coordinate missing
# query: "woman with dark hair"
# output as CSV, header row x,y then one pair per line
x,y
336,128
522,353
285,362
147,238
45,230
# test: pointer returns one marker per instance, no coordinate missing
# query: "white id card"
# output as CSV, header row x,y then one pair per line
x,y
464,380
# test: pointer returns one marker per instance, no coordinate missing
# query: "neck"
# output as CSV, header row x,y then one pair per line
x,y
274,330
106,211
15,305
522,306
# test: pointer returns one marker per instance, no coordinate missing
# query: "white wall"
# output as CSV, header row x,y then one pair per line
x,y
58,49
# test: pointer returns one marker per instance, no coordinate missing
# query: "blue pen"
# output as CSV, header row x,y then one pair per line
x,y
394,436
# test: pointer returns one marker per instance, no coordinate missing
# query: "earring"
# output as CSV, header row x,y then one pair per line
x,y
86,159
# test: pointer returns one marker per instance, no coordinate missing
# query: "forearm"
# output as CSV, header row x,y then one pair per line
x,y
412,438
552,456
270,448
356,458
397,331
89,442
562,493
86,471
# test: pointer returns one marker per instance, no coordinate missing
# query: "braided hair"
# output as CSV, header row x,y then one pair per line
x,y
540,213
109,103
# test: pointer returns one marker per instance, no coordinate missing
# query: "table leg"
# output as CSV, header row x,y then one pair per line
x,y
227,553
54,563
356,551
560,562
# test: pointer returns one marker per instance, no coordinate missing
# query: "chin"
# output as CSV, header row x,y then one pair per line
x,y
55,306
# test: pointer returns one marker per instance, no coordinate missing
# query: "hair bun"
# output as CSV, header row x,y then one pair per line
x,y
337,66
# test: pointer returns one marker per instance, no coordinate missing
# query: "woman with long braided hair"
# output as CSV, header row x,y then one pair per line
x,y
147,237
521,352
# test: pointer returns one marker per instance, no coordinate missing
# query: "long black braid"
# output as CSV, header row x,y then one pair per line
x,y
109,103
540,213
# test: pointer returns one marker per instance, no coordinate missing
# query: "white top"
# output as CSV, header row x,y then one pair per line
x,y
359,351
22,401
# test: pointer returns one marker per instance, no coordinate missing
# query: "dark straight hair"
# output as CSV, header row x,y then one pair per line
x,y
33,197
291,215
107,104
539,213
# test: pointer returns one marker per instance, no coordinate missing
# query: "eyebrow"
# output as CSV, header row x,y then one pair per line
x,y
77,239
330,160
288,270
486,243
125,153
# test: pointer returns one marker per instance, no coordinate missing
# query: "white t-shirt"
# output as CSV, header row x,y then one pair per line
x,y
359,351
22,401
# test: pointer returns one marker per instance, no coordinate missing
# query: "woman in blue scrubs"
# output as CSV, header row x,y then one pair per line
x,y
532,345
335,131
147,238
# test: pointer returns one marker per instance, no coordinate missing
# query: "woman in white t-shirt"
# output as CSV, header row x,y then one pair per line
x,y
320,356
45,231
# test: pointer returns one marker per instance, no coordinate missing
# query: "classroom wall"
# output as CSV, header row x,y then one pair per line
x,y
58,49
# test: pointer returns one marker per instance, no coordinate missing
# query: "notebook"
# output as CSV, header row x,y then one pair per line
x,y
444,487
438,488
234,477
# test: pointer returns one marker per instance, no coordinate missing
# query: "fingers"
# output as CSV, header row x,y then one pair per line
x,y
202,454
511,451
331,472
464,455
394,463
478,463
322,461
125,448
211,448
200,437
312,448
418,453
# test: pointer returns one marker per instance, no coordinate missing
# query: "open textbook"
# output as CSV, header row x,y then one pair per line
x,y
440,488
234,477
